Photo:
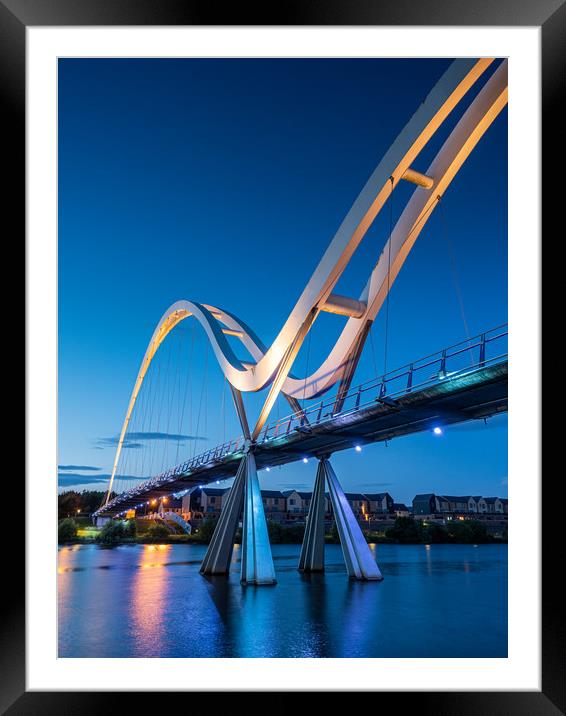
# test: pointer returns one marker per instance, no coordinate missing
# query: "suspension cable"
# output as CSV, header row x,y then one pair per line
x,y
201,398
373,358
180,432
454,270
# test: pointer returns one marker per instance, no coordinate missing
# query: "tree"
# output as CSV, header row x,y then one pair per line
x,y
206,530
406,531
468,532
437,534
157,531
73,503
281,534
111,533
67,530
334,536
69,503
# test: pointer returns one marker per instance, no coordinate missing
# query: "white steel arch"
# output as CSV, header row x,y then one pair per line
x,y
273,364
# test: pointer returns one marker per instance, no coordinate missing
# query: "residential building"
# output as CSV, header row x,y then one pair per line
x,y
494,505
450,505
426,504
274,503
298,504
358,503
170,504
379,502
482,506
457,504
400,510
205,502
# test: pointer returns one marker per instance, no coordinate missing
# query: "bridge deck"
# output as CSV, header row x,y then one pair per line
x,y
478,393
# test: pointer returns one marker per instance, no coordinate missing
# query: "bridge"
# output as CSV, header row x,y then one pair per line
x,y
464,382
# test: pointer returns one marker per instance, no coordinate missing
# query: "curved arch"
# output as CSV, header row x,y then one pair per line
x,y
461,75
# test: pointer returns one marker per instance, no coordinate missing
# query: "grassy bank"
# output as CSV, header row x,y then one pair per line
x,y
406,530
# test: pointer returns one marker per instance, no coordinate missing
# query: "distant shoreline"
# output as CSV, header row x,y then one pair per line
x,y
187,540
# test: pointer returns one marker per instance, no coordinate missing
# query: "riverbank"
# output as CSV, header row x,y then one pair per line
x,y
406,530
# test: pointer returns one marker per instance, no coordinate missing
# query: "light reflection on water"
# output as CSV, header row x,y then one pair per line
x,y
151,601
148,600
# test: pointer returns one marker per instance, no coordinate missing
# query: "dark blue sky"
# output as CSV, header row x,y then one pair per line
x,y
223,181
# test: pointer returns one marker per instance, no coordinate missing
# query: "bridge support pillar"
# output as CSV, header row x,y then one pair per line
x,y
359,560
312,551
219,553
257,562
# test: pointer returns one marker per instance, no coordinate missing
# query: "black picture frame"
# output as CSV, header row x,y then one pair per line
x,y
550,16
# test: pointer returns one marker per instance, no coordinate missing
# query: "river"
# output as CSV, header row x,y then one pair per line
x,y
151,601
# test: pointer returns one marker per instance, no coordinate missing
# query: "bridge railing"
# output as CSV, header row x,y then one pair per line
x,y
477,352
480,351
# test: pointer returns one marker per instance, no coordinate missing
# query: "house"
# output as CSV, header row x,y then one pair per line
x,y
186,507
400,510
457,504
426,504
358,503
297,503
170,504
482,505
473,503
504,503
494,505
379,503
205,502
274,502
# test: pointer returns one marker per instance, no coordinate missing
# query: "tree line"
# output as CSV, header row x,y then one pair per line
x,y
72,503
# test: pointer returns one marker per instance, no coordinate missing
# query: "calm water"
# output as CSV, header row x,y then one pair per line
x,y
151,601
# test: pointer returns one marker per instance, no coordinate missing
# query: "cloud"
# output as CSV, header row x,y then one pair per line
x,y
102,443
68,479
132,440
163,436
72,478
78,467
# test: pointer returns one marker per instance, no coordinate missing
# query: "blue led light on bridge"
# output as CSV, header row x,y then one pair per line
x,y
358,448
437,430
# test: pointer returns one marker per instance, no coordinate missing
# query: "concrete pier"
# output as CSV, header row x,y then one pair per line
x,y
312,551
359,560
257,562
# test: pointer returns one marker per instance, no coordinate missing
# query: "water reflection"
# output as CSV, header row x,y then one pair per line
x,y
152,602
149,596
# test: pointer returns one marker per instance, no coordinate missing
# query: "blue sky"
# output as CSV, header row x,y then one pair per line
x,y
223,181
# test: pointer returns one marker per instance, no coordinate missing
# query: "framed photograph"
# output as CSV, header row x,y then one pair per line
x,y
282,352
